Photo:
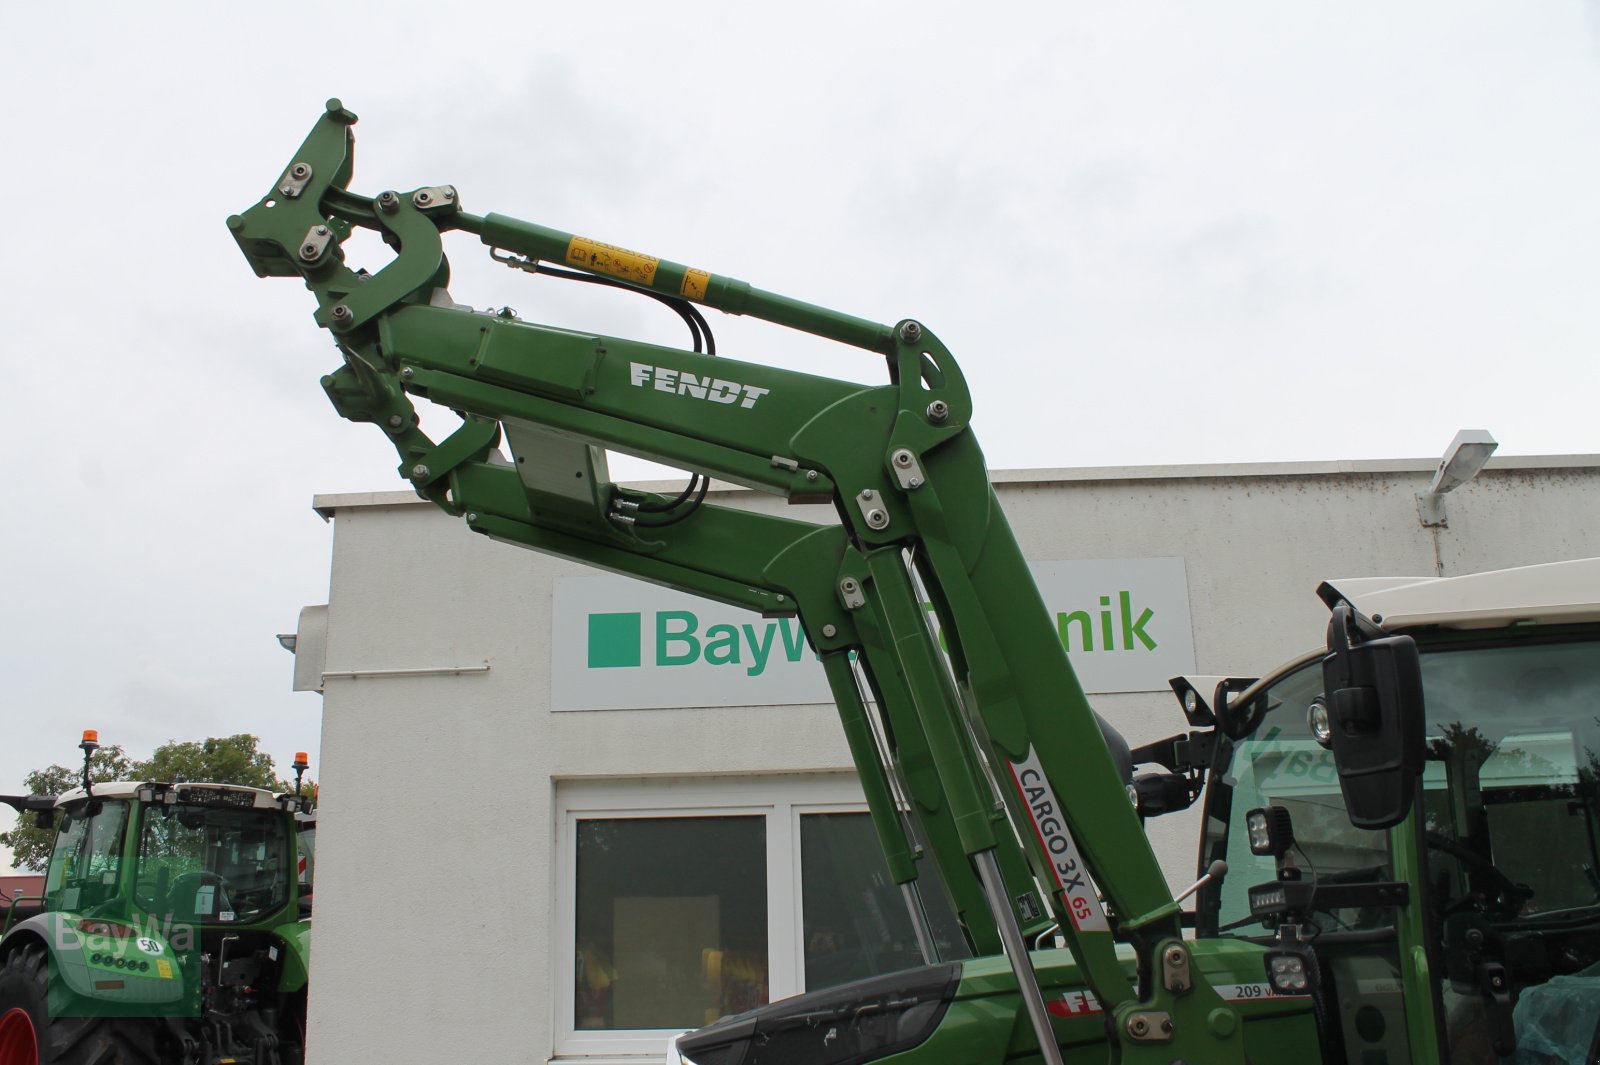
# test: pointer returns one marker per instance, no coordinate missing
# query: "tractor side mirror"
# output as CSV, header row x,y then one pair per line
x,y
45,818
1372,718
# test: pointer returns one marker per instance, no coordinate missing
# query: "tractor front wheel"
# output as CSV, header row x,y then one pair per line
x,y
30,1036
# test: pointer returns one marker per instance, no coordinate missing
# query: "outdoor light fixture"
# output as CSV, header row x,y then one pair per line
x,y
1462,460
1270,829
286,640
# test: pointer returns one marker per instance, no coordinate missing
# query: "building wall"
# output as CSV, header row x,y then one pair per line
x,y
454,779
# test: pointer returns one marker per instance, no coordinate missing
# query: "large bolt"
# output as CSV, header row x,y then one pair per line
x,y
811,475
407,374
309,251
389,202
1175,956
342,315
902,458
938,411
422,199
849,586
395,421
877,519
419,472
830,631
1138,1027
911,332
300,170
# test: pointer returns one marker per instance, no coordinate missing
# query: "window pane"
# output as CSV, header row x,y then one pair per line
x,y
855,921
671,920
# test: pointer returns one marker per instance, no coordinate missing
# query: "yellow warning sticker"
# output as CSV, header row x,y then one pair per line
x,y
164,967
609,259
695,283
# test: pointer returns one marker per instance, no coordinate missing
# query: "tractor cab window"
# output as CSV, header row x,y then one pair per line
x,y
87,858
211,864
1279,763
1512,832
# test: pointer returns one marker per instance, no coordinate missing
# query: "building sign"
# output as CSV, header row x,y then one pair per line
x,y
622,644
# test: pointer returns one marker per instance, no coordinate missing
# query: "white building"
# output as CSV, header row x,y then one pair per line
x,y
562,812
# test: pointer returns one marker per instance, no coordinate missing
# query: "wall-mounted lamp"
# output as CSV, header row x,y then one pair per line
x,y
1462,460
286,640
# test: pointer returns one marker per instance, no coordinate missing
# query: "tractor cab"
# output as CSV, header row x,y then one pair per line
x,y
203,854
1471,924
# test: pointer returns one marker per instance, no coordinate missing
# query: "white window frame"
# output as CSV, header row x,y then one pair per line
x,y
781,799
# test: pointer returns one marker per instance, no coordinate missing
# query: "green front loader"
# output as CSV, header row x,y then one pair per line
x,y
982,762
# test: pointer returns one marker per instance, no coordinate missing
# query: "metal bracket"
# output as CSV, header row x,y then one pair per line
x,y
1150,1026
851,594
434,196
907,470
872,511
1175,969
295,180
315,243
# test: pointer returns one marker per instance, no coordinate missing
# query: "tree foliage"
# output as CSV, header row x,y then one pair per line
x,y
218,760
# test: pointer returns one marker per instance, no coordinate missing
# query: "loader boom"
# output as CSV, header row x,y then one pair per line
x,y
983,743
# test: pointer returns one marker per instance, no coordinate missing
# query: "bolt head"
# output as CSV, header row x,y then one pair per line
x,y
395,421
419,472
877,519
300,170
938,410
902,458
811,475
341,313
830,631
911,332
308,251
472,515
915,482
407,374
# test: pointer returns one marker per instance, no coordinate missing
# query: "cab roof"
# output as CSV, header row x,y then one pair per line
x,y
1556,593
129,789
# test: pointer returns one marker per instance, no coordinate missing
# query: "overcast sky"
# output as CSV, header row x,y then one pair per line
x,y
1150,233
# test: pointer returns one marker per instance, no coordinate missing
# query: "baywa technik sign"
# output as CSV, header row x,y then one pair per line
x,y
621,644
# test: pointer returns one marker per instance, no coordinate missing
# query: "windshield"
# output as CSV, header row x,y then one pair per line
x,y
212,864
1510,812
1280,764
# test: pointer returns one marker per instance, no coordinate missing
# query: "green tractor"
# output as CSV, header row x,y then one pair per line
x,y
174,927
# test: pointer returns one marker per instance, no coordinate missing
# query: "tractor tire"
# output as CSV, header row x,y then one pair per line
x,y
30,1036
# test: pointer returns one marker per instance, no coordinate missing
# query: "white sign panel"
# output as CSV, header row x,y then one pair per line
x,y
621,644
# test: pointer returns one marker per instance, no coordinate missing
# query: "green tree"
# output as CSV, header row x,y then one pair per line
x,y
219,760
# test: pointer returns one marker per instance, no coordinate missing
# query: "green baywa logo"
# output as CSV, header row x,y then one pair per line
x,y
618,640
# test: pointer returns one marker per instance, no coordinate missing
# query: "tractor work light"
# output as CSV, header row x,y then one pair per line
x,y
1291,969
847,1025
1271,831
1320,723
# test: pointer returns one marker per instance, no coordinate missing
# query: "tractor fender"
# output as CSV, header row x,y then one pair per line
x,y
296,938
66,948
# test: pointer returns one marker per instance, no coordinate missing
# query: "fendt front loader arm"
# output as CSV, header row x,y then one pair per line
x,y
989,746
